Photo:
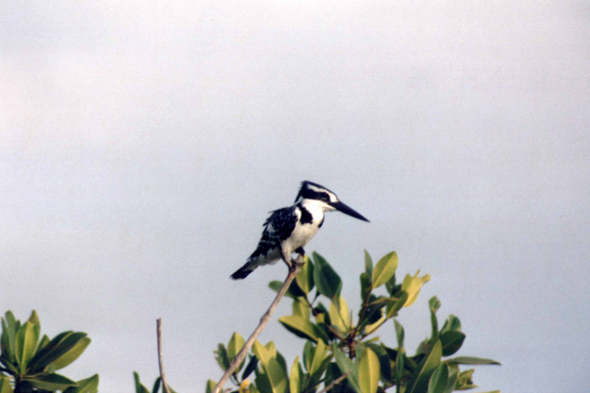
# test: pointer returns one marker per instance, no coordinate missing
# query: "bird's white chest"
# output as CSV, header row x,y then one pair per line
x,y
303,233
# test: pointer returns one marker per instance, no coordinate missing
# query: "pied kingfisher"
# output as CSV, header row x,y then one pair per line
x,y
289,229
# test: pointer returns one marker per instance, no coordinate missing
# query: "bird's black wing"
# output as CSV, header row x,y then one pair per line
x,y
277,227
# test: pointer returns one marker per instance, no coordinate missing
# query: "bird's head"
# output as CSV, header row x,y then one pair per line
x,y
324,198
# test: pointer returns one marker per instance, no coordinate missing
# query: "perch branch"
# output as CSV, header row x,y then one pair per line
x,y
263,321
161,356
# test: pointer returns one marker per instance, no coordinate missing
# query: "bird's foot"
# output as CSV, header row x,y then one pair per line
x,y
300,261
287,260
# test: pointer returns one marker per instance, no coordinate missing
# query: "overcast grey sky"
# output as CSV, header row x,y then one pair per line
x,y
143,143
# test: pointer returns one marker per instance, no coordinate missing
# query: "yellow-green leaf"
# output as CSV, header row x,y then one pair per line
x,y
369,371
384,270
88,385
34,319
235,344
340,314
301,308
372,327
25,344
5,386
305,277
295,377
301,327
412,284
318,357
267,355
210,386
71,355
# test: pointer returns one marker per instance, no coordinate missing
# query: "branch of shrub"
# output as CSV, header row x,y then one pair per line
x,y
161,355
298,263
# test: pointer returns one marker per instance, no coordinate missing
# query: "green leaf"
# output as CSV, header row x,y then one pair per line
x,y
399,369
252,363
439,380
296,377
139,388
452,323
391,286
9,329
365,286
347,367
368,264
73,354
5,386
453,376
293,292
57,347
412,285
25,344
44,341
465,380
393,308
326,279
157,383
51,382
221,357
369,372
470,360
419,380
302,328
233,347
434,305
399,331
305,277
384,270
451,340
340,314
88,385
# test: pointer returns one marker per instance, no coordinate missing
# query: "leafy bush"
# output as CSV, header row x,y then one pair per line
x,y
342,354
29,364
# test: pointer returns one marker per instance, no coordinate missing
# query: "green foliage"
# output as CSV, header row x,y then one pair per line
x,y
140,388
340,352
28,362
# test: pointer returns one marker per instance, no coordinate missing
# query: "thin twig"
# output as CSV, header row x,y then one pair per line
x,y
161,356
263,321
335,382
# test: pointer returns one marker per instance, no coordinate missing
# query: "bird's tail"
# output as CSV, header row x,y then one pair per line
x,y
243,271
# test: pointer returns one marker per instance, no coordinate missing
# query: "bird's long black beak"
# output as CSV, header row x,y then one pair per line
x,y
347,210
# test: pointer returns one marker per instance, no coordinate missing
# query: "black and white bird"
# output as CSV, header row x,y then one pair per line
x,y
289,229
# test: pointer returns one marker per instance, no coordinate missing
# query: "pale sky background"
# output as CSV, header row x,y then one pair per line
x,y
143,143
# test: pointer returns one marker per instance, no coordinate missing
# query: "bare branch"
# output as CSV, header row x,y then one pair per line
x,y
161,356
298,263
